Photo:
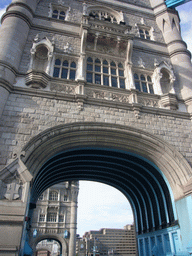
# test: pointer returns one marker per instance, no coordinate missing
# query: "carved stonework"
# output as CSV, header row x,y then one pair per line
x,y
68,89
68,48
149,102
96,94
11,187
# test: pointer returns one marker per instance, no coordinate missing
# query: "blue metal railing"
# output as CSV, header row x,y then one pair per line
x,y
175,3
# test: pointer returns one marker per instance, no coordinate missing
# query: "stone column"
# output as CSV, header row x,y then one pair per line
x,y
13,35
73,222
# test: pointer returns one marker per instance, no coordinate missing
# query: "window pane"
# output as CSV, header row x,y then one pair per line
x,y
97,61
56,72
113,64
55,12
62,13
54,16
64,73
146,32
58,62
89,59
136,76
72,75
142,78
151,89
89,67
113,71
97,79
106,80
105,62
121,72
144,87
148,78
98,68
61,17
73,65
89,77
122,83
65,63
105,70
114,81
137,85
120,65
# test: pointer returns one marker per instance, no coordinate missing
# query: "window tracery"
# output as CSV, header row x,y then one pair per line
x,y
103,15
143,83
58,14
53,195
64,68
52,217
105,72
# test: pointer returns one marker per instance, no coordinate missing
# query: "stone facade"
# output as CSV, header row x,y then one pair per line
x,y
113,75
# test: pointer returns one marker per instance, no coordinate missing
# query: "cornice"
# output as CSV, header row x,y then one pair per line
x,y
22,5
100,102
17,14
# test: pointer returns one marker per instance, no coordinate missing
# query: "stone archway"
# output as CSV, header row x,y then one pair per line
x,y
59,239
149,171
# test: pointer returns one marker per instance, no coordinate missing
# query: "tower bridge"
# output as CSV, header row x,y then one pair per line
x,y
102,91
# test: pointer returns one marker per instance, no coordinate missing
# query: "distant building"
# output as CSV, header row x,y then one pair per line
x,y
107,241
54,219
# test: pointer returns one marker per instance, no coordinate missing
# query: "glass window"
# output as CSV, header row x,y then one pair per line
x,y
89,77
65,63
97,79
55,14
67,70
53,195
64,73
114,81
41,217
52,217
143,84
98,73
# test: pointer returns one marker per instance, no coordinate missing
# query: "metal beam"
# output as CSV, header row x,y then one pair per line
x,y
175,3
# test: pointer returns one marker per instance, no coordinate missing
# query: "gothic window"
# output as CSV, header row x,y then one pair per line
x,y
53,195
58,14
65,198
61,218
144,33
52,217
105,72
64,69
143,83
41,217
101,15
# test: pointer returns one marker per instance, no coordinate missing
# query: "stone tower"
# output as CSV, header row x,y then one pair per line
x,y
96,90
55,216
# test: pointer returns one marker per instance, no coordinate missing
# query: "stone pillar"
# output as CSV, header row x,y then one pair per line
x,y
14,201
73,222
14,31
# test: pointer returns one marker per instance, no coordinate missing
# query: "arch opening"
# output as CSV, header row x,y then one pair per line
x,y
136,178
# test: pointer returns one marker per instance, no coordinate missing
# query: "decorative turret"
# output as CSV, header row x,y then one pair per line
x,y
168,21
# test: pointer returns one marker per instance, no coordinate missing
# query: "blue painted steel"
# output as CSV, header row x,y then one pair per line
x,y
175,3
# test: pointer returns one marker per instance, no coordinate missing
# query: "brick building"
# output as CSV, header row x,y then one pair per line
x,y
96,90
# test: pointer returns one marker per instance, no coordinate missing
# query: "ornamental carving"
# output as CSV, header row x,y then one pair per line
x,y
107,96
68,89
149,102
11,187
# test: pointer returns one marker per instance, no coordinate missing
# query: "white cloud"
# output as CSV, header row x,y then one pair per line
x,y
101,206
2,12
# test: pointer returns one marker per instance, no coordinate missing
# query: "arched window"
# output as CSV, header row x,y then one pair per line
x,y
143,83
105,73
52,217
53,195
64,69
58,14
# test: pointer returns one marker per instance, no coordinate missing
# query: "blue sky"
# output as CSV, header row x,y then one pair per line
x,y
100,205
